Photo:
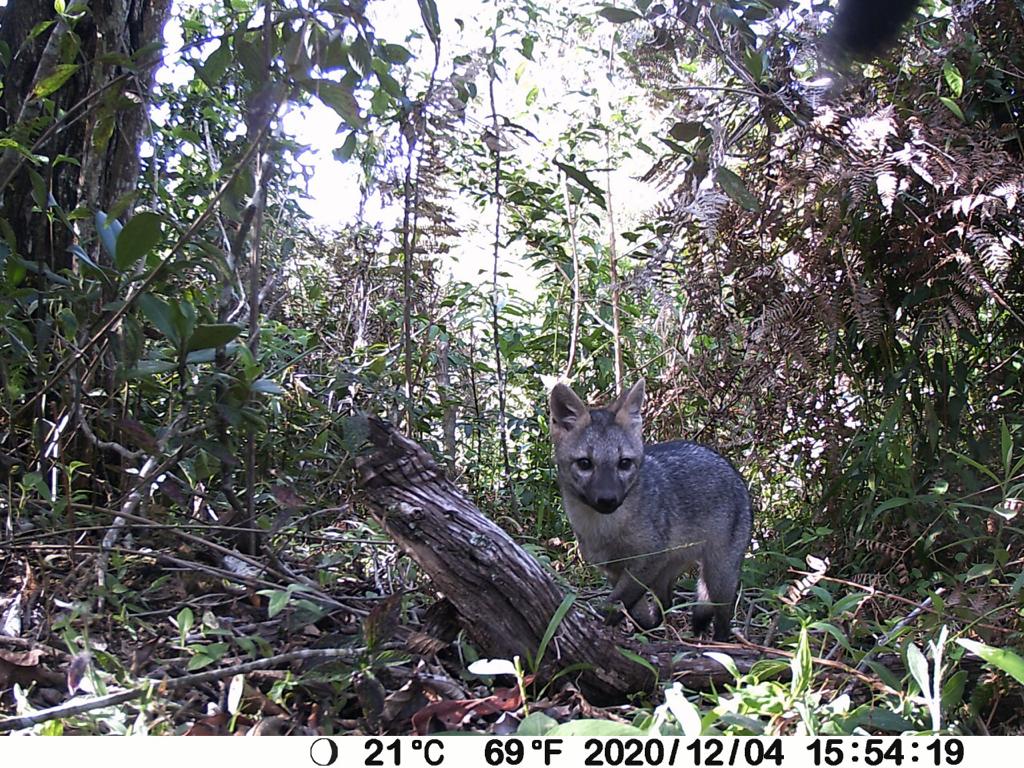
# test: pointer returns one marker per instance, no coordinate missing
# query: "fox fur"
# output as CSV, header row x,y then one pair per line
x,y
645,513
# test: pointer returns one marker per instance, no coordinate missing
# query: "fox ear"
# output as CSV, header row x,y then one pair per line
x,y
566,410
629,405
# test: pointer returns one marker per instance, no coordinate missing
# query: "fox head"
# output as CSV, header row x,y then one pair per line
x,y
598,452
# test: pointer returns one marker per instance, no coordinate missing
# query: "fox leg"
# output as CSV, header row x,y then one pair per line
x,y
659,599
716,598
630,592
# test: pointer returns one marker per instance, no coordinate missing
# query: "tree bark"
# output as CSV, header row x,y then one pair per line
x,y
84,134
504,598
102,109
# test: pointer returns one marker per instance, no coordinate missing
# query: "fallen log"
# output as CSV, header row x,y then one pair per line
x,y
504,598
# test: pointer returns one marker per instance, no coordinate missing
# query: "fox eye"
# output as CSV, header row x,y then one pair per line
x,y
625,464
584,464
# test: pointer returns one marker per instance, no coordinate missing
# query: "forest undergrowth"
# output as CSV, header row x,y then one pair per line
x,y
821,278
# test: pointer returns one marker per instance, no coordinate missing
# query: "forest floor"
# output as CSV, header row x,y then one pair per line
x,y
335,632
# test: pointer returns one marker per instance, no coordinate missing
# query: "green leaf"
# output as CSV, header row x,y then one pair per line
x,y
953,107
1003,658
636,657
212,336
894,503
108,229
527,49
52,83
35,481
380,102
186,620
594,728
199,661
344,152
215,66
278,600
40,189
1006,448
953,690
137,239
686,131
103,130
389,84
267,387
83,257
581,178
536,724
359,56
954,79
876,718
396,54
618,15
754,63
979,570
151,367
39,28
1018,584
800,665
251,58
340,98
726,661
160,314
684,711
917,664
978,466
428,12
532,95
8,143
556,620
355,432
737,191
210,355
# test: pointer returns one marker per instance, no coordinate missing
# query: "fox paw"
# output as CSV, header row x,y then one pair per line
x,y
612,613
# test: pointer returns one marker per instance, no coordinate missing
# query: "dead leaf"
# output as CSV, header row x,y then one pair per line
x,y
422,644
371,695
382,623
275,726
401,705
138,434
287,497
141,654
174,490
441,621
28,658
214,725
506,725
76,671
451,714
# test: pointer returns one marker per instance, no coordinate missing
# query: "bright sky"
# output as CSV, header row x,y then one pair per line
x,y
334,186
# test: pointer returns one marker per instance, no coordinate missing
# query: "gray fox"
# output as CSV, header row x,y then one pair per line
x,y
645,513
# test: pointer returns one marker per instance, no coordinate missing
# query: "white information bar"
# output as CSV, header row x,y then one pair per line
x,y
520,752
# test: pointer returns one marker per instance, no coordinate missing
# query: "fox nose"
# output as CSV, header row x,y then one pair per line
x,y
606,504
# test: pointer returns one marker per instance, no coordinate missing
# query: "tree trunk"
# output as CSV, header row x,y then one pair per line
x,y
504,598
102,112
75,98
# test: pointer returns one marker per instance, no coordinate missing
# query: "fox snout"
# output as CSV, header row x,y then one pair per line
x,y
604,490
605,504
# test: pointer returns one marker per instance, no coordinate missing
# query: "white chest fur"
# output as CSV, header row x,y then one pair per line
x,y
602,538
